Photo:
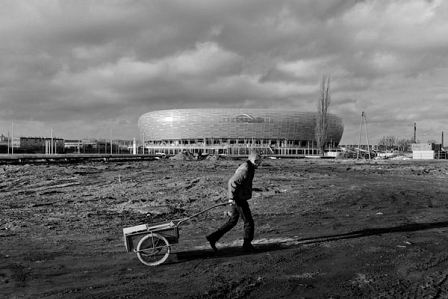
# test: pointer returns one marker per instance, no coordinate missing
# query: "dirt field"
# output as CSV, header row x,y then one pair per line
x,y
324,229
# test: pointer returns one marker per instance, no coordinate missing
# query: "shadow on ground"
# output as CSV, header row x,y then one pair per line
x,y
293,242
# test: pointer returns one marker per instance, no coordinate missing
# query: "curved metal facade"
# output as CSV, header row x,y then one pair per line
x,y
224,123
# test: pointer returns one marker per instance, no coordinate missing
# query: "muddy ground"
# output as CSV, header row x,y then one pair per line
x,y
324,229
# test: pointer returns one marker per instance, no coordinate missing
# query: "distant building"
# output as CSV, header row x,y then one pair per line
x,y
4,141
4,144
81,146
72,146
425,151
42,145
7,145
235,130
93,146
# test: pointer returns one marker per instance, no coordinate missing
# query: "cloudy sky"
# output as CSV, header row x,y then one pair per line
x,y
91,68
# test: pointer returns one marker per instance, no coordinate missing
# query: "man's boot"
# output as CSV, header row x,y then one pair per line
x,y
212,242
248,247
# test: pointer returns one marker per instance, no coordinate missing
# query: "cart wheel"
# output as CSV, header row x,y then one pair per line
x,y
153,249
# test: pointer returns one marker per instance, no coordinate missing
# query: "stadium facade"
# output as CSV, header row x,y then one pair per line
x,y
234,131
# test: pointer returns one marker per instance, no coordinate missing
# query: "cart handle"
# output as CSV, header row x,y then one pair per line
x,y
197,214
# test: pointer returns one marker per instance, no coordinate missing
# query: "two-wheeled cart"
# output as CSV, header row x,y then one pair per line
x,y
154,240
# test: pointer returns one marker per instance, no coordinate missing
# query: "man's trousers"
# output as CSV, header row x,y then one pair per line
x,y
235,211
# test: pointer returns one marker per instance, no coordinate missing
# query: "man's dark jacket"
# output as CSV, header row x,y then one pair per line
x,y
240,184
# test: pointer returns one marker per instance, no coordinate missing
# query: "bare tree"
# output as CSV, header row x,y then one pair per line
x,y
322,114
404,144
387,143
382,143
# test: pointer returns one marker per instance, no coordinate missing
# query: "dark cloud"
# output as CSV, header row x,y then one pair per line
x,y
89,67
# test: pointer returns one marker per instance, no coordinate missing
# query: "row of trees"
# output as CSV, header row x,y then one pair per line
x,y
393,143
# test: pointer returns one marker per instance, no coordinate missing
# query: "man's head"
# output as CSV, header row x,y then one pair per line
x,y
255,158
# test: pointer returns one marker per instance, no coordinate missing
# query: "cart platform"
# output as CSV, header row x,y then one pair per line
x,y
152,242
132,235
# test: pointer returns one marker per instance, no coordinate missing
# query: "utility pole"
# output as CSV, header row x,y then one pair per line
x,y
12,139
442,139
363,121
111,141
415,132
143,139
51,143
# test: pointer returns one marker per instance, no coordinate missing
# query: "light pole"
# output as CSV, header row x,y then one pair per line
x,y
51,143
111,141
143,137
12,139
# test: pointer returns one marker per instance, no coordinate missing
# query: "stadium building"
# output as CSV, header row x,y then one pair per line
x,y
234,131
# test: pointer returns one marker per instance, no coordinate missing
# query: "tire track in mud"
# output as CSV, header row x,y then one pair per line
x,y
433,286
